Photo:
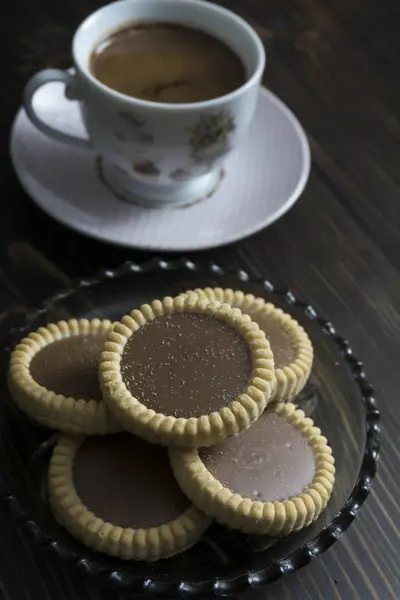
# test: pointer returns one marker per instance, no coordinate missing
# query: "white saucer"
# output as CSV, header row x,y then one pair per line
x,y
263,179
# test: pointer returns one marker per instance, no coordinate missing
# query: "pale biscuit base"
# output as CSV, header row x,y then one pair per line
x,y
71,415
129,544
206,430
290,379
275,519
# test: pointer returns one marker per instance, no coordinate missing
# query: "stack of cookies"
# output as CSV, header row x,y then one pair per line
x,y
179,413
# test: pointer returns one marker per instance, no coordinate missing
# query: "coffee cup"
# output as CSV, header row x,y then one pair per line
x,y
156,153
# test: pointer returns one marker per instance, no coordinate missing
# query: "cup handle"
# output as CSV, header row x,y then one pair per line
x,y
42,78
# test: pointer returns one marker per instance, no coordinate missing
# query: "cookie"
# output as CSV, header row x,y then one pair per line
x,y
290,344
117,495
53,376
273,479
186,372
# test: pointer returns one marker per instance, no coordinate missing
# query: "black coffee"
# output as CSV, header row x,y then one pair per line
x,y
166,62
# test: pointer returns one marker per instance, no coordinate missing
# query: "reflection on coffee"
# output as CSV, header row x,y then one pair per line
x,y
166,62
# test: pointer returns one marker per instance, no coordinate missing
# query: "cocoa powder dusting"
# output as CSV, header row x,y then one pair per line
x,y
185,364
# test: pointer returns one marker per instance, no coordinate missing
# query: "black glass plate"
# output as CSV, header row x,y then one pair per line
x,y
338,396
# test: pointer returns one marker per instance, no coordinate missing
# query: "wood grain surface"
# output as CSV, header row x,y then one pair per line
x,y
336,65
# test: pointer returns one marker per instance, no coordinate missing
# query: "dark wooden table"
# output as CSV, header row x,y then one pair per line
x,y
336,65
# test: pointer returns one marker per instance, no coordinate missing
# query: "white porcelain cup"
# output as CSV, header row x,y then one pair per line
x,y
157,154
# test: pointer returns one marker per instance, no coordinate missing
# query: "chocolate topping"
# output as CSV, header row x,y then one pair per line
x,y
69,366
185,364
279,338
270,461
127,482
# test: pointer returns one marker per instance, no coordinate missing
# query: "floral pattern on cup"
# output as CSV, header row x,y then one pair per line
x,y
144,139
144,166
133,130
209,137
131,119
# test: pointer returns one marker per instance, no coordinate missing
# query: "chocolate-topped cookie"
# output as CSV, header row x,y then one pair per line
x,y
53,376
272,462
274,478
170,362
186,372
290,344
70,366
117,494
127,481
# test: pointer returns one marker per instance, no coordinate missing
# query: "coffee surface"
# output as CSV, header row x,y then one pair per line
x,y
186,365
271,461
127,482
70,366
166,62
